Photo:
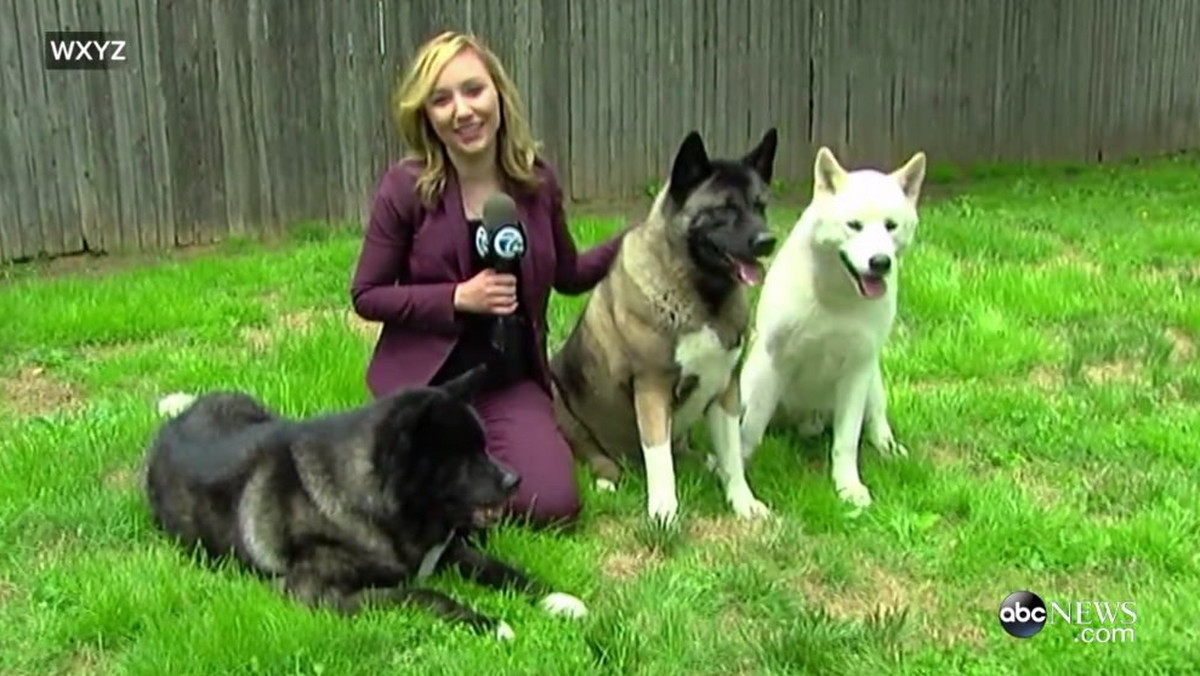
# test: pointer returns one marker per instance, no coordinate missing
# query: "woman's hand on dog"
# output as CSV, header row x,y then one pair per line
x,y
488,292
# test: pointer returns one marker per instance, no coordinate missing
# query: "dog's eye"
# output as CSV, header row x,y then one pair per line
x,y
720,217
854,225
889,224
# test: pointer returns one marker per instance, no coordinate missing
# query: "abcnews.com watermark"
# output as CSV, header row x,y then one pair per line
x,y
1024,614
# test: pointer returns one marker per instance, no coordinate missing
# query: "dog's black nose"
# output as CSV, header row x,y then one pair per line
x,y
880,264
763,244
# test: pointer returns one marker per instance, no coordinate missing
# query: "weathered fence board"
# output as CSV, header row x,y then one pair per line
x,y
235,117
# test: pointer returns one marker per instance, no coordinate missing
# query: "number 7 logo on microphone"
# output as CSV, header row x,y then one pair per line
x,y
509,242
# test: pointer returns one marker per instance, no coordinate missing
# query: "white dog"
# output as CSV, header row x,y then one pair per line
x,y
826,309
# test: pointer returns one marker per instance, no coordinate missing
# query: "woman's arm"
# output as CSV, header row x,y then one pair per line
x,y
575,273
379,291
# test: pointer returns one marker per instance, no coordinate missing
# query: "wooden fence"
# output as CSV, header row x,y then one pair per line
x,y
238,115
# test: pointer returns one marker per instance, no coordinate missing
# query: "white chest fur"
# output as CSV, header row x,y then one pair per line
x,y
432,557
701,356
815,358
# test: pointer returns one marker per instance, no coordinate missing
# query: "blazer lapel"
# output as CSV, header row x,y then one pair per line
x,y
455,226
530,281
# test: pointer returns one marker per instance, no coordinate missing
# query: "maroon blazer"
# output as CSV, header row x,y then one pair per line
x,y
412,257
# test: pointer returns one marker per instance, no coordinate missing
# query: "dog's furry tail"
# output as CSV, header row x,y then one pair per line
x,y
173,404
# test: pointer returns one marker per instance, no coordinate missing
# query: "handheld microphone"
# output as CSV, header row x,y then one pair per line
x,y
500,240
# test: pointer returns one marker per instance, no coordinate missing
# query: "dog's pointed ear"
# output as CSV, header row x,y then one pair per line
x,y
762,158
911,177
401,417
414,413
467,385
691,167
828,174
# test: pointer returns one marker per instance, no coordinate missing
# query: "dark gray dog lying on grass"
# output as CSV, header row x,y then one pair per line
x,y
346,510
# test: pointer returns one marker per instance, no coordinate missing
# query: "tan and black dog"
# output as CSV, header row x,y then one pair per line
x,y
658,344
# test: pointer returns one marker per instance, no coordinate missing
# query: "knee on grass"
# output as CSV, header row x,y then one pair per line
x,y
551,507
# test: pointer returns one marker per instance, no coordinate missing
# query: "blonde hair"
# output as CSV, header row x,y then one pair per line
x,y
518,150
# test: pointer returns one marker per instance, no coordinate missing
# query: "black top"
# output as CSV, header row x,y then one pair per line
x,y
503,341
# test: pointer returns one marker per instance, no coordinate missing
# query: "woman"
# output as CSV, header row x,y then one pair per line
x,y
464,125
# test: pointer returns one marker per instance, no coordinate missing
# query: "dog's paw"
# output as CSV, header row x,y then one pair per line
x,y
885,443
895,449
175,403
881,438
564,605
605,485
745,505
662,508
891,448
750,507
856,494
504,632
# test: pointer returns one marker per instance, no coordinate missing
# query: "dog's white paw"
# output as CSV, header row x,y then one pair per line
x,y
885,443
855,494
605,485
880,437
892,448
662,507
505,632
661,500
564,605
173,404
749,507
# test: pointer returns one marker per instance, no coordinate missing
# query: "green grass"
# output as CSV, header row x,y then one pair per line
x,y
1044,377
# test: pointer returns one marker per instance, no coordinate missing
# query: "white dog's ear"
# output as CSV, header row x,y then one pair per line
x,y
828,175
911,176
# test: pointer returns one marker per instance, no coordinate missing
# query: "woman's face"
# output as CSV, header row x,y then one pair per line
x,y
464,107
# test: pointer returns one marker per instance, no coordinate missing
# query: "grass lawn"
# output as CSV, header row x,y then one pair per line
x,y
1044,377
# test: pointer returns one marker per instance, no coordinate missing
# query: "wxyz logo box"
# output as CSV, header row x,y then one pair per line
x,y
85,50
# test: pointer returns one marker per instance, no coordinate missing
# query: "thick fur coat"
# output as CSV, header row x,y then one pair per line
x,y
348,510
657,346
825,314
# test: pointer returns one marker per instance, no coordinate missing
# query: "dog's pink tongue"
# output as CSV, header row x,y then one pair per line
x,y
750,275
873,288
